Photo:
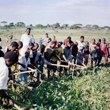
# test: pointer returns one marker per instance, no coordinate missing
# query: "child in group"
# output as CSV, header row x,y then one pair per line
x,y
25,60
67,53
86,53
75,51
8,60
48,54
81,46
98,52
14,66
99,42
12,47
93,52
0,43
36,46
108,52
103,51
54,39
40,65
30,49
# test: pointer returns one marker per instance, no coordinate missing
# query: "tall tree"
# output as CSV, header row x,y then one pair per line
x,y
4,23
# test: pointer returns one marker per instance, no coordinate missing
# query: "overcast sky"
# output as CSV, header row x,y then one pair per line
x,y
52,11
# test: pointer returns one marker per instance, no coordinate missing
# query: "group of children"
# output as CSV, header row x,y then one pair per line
x,y
48,53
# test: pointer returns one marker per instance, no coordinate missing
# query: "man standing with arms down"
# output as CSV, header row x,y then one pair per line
x,y
26,39
46,39
81,46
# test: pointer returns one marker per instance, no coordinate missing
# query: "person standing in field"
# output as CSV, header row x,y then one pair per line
x,y
68,40
11,38
54,39
86,53
48,55
67,58
46,39
98,52
93,52
75,51
103,51
26,39
81,46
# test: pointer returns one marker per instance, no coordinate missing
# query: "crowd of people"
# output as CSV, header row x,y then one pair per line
x,y
19,56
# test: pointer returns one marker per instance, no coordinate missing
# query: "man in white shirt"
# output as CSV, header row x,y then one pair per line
x,y
26,39
9,59
81,46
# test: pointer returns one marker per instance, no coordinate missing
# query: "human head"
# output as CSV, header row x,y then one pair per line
x,y
13,46
20,45
11,36
28,30
59,44
10,58
82,38
42,48
68,39
0,39
53,44
103,40
1,54
27,54
30,46
93,41
36,46
87,43
54,37
46,34
99,41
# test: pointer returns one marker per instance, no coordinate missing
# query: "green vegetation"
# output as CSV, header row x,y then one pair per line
x,y
60,34
90,91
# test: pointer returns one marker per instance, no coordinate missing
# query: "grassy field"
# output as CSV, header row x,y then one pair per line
x,y
60,34
90,91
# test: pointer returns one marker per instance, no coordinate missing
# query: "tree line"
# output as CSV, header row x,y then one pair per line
x,y
53,26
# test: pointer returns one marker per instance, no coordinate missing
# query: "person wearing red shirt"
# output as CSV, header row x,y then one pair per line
x,y
54,39
103,50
